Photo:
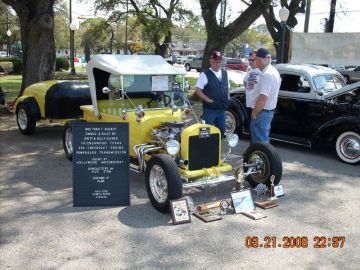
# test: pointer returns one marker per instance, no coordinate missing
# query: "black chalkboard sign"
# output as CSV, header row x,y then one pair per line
x,y
100,164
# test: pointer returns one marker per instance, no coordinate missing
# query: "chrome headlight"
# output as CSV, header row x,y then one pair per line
x,y
232,140
172,147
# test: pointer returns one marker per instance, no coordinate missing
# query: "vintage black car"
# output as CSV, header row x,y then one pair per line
x,y
314,106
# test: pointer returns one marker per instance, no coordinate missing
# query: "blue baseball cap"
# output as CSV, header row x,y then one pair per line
x,y
263,53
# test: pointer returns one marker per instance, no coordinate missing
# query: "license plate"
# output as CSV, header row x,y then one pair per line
x,y
204,132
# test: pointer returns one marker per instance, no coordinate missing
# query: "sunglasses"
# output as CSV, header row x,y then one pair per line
x,y
251,60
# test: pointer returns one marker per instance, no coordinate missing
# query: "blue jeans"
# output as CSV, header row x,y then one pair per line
x,y
260,127
215,118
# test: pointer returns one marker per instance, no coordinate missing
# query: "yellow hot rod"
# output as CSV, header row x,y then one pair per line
x,y
173,151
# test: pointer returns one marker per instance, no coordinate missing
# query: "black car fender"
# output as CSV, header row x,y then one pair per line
x,y
31,103
329,131
240,109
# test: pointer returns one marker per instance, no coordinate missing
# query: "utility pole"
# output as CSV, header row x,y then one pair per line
x,y
307,16
223,12
330,27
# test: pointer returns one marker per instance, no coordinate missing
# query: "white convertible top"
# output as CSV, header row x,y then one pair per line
x,y
127,65
132,65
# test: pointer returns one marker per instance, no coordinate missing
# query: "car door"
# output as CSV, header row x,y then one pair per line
x,y
298,110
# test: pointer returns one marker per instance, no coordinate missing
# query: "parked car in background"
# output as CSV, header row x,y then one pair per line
x,y
194,62
183,58
337,67
236,63
3,54
314,106
351,75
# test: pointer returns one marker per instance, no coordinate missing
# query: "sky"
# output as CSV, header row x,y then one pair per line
x,y
347,17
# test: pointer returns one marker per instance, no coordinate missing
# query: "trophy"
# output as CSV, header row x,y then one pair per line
x,y
272,188
191,204
224,206
240,178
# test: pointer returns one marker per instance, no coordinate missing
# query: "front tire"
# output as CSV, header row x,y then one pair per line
x,y
347,147
25,120
163,181
267,161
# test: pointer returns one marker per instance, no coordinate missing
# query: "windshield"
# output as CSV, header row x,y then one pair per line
x,y
328,82
161,91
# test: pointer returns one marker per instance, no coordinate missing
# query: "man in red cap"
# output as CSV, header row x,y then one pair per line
x,y
213,89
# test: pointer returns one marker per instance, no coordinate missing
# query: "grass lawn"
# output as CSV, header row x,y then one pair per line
x,y
11,85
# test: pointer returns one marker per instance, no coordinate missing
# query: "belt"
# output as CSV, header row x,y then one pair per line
x,y
268,110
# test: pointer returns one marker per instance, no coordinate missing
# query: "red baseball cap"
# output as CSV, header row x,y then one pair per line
x,y
216,55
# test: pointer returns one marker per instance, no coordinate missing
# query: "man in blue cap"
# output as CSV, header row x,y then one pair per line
x,y
265,98
213,89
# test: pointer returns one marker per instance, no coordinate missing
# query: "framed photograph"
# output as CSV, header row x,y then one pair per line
x,y
242,201
279,190
180,211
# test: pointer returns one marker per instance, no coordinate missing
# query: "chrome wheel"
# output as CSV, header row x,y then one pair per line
x,y
22,119
230,123
158,184
262,164
348,147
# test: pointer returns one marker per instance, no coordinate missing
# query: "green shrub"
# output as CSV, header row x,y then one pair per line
x,y
18,65
16,62
62,64
6,67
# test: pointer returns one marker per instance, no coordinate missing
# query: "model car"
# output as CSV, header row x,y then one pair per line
x,y
351,75
148,93
53,101
314,106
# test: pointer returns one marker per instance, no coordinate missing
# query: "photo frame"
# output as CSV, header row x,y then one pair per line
x,y
242,201
279,190
180,211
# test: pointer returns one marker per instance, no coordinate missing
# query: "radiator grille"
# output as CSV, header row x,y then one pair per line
x,y
203,152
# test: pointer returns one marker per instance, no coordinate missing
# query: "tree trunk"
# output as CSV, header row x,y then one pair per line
x,y
37,39
219,37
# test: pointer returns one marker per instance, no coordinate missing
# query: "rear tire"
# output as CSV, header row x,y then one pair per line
x,y
163,182
268,162
25,120
233,121
347,147
187,67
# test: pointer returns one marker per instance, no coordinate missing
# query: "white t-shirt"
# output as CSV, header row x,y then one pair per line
x,y
251,78
202,81
269,85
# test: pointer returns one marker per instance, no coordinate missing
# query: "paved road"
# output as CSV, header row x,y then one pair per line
x,y
41,230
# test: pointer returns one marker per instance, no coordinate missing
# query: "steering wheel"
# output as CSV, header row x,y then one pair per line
x,y
164,98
